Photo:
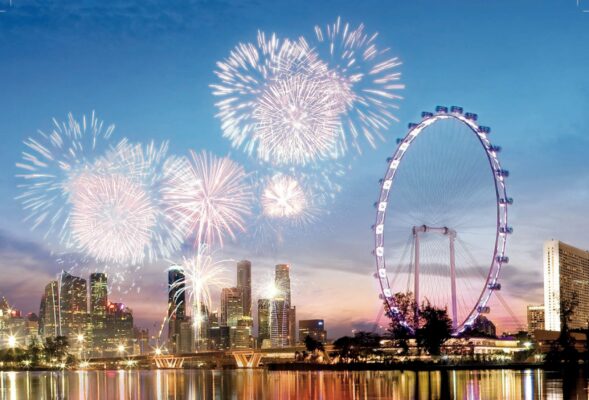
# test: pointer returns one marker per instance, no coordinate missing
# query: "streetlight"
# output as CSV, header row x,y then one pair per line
x,y
158,351
80,339
121,348
12,341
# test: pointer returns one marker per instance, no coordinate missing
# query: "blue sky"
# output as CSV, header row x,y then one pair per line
x,y
146,66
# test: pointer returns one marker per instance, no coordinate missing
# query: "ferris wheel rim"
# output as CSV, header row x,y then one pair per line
x,y
502,201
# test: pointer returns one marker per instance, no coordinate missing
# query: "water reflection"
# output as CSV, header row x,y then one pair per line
x,y
261,384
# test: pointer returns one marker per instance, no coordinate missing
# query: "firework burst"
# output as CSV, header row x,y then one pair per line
x,y
118,214
364,80
112,218
51,165
276,101
283,197
210,197
200,275
297,121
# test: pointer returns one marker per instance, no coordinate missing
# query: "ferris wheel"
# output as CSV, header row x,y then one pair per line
x,y
443,209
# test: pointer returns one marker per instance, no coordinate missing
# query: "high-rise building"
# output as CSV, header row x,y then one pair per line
x,y
279,323
98,304
315,328
535,318
49,312
263,320
244,283
231,306
119,323
282,282
185,342
566,274
241,335
292,326
220,338
176,308
73,303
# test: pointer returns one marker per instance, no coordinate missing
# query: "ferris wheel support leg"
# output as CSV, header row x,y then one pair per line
x,y
453,284
416,280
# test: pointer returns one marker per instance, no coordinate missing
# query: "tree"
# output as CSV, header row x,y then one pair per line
x,y
312,344
435,329
563,349
402,318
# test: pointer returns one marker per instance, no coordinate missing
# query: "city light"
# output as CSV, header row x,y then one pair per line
x,y
121,348
80,338
12,341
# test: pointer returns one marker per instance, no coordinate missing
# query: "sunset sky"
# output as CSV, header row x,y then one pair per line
x,y
147,67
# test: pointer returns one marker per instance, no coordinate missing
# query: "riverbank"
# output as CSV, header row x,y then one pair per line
x,y
400,366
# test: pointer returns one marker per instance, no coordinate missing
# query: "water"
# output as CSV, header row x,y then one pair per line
x,y
261,384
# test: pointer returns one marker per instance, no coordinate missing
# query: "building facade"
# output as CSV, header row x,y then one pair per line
x,y
315,328
231,306
49,312
566,276
263,320
244,284
535,318
176,309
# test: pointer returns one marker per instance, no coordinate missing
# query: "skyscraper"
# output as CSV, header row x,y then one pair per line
x,y
292,326
119,324
263,320
49,319
176,309
279,323
315,328
231,306
535,318
566,274
73,304
282,282
98,304
244,283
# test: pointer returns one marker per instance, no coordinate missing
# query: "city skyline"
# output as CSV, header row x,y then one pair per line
x,y
330,258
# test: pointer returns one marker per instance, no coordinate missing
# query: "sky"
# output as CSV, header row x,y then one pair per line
x,y
147,66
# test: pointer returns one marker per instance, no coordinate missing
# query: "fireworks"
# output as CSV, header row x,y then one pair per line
x,y
275,101
50,165
112,218
200,275
296,121
211,197
364,79
283,197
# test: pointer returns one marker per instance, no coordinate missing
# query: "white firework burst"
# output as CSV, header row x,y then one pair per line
x,y
210,196
364,80
112,218
283,197
52,163
297,121
275,95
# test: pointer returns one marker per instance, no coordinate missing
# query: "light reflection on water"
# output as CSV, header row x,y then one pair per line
x,y
261,384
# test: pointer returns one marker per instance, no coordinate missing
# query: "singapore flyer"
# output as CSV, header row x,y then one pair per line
x,y
443,209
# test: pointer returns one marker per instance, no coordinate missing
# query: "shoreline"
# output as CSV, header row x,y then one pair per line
x,y
403,367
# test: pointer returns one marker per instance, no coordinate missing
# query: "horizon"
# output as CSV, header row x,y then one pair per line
x,y
151,77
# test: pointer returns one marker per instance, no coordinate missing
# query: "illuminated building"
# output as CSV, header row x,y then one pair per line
x,y
263,320
244,284
315,328
241,335
73,303
185,340
98,304
176,308
282,282
535,318
566,274
292,326
231,306
220,338
279,323
49,313
119,324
